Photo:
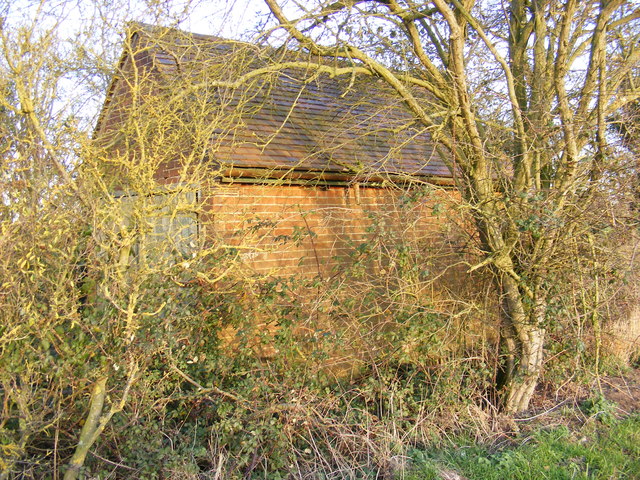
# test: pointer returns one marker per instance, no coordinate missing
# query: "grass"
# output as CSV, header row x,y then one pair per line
x,y
596,451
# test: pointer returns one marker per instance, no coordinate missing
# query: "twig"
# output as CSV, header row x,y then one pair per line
x,y
542,413
111,462
205,390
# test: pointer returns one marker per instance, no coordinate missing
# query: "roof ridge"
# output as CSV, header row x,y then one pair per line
x,y
297,119
135,26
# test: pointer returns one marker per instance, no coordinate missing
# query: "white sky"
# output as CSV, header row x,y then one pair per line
x,y
99,25
229,19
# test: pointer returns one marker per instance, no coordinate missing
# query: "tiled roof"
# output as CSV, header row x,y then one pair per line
x,y
295,120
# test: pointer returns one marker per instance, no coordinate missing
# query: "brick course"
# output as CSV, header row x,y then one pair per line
x,y
297,229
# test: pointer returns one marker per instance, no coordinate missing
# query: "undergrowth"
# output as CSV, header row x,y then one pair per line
x,y
351,376
595,451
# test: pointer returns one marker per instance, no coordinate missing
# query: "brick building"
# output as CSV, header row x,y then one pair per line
x,y
302,165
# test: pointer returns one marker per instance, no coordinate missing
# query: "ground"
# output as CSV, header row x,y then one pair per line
x,y
624,391
572,432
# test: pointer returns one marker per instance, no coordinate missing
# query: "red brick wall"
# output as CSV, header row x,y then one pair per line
x,y
293,229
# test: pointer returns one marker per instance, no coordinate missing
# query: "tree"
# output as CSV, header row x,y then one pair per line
x,y
95,268
518,95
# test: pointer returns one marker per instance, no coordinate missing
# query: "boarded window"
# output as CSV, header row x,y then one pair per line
x,y
174,225
165,225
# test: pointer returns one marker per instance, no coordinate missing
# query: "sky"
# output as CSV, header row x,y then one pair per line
x,y
228,19
99,25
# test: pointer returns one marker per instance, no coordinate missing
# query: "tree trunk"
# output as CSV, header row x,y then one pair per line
x,y
521,386
507,356
525,334
90,430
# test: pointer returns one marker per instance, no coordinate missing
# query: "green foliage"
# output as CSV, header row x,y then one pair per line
x,y
600,408
257,377
303,390
604,452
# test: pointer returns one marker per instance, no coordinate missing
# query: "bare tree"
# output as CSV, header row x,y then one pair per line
x,y
519,96
97,250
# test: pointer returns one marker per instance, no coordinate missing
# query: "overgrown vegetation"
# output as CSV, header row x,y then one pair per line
x,y
133,350
519,96
594,451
